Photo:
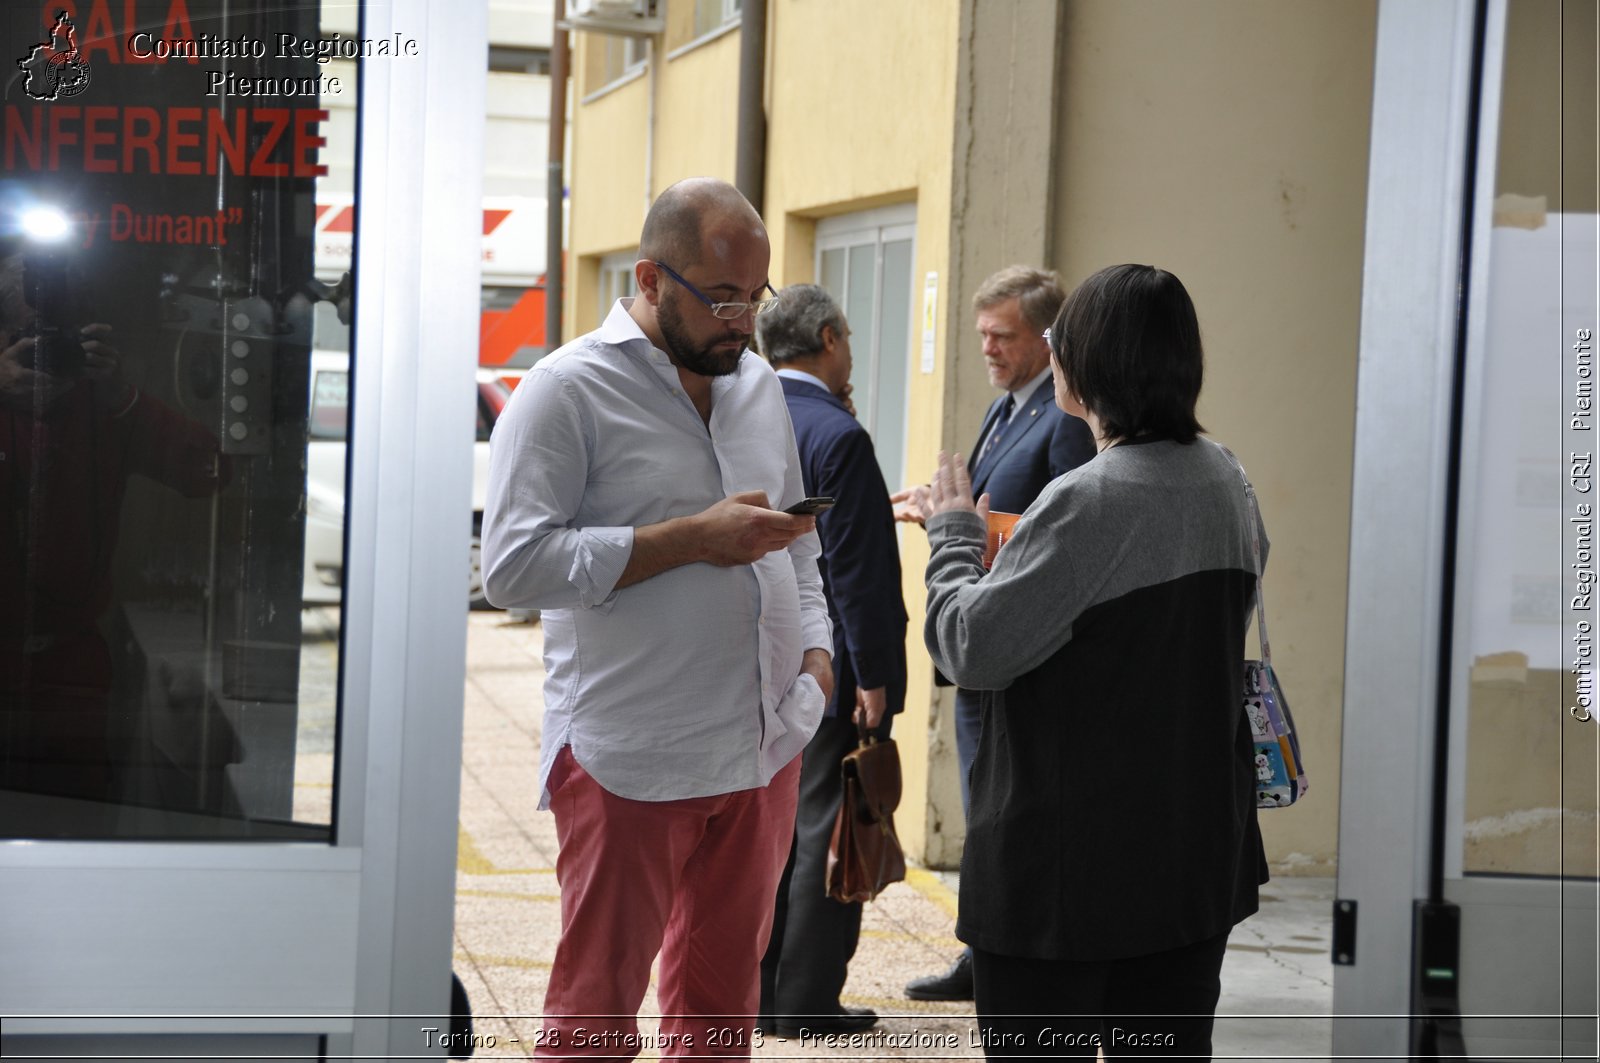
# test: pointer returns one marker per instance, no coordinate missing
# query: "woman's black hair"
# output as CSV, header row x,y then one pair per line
x,y
1128,345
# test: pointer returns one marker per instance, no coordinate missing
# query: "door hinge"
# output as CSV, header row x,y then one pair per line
x,y
1344,933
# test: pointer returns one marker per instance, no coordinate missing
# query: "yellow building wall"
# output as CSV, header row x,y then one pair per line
x,y
637,136
606,178
860,110
697,113
1227,142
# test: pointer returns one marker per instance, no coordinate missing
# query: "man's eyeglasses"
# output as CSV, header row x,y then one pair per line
x,y
1049,341
725,311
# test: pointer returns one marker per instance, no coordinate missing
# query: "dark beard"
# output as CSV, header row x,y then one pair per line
x,y
702,360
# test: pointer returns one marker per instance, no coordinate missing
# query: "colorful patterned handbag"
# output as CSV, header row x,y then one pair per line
x,y
1280,773
1280,770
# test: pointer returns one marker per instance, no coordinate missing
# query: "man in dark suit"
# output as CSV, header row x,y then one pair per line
x,y
1025,442
813,937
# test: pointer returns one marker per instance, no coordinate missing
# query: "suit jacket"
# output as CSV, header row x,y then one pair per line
x,y
860,560
1041,443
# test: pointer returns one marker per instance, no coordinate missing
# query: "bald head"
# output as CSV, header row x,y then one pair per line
x,y
693,219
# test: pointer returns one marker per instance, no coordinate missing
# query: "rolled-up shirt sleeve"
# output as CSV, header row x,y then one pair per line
x,y
533,555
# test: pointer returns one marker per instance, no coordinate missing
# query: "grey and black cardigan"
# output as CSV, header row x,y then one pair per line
x,y
1113,810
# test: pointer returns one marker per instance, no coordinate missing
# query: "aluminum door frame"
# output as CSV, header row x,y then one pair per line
x,y
1422,87
419,242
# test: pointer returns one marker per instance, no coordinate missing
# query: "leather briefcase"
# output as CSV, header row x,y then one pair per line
x,y
864,854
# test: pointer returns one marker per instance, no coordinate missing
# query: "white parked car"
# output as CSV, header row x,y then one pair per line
x,y
325,471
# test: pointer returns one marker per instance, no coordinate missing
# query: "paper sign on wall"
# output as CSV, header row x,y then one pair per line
x,y
930,314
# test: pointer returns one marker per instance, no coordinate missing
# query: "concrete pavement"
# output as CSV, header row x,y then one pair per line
x,y
1277,979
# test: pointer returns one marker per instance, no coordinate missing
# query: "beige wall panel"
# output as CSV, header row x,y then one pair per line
x,y
1001,176
1531,804
1549,87
793,251
1003,180
1227,142
860,109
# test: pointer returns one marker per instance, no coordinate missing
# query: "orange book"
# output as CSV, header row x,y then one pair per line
x,y
1000,525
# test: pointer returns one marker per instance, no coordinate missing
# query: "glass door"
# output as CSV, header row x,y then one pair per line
x,y
161,295
227,663
1520,825
1468,868
865,260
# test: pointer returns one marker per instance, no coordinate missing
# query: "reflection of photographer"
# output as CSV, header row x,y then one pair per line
x,y
72,431
51,293
37,370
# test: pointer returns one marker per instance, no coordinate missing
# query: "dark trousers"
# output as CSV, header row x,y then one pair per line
x,y
1159,1006
813,936
968,727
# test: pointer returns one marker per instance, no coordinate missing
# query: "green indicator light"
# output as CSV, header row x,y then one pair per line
x,y
1440,972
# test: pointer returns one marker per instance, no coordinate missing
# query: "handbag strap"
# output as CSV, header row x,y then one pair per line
x,y
1255,554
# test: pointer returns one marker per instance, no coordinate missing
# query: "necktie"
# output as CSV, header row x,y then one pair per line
x,y
1000,425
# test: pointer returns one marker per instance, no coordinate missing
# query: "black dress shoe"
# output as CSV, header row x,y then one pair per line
x,y
954,984
846,1020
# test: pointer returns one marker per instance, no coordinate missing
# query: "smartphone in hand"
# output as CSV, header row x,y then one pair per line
x,y
808,506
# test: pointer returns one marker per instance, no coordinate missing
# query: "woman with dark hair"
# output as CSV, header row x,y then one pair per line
x,y
1112,842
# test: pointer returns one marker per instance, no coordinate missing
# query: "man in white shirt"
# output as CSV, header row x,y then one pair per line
x,y
637,478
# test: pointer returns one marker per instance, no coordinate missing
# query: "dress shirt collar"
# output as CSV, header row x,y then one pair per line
x,y
1025,393
803,376
620,328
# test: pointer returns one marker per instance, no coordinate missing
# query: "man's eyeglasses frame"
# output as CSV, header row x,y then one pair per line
x,y
724,311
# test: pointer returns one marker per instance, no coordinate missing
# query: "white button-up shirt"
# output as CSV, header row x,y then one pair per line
x,y
686,684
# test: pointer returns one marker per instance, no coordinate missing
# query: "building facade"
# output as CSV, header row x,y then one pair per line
x,y
914,148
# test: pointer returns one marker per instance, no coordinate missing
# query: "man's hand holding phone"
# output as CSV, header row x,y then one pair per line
x,y
808,507
743,528
739,530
